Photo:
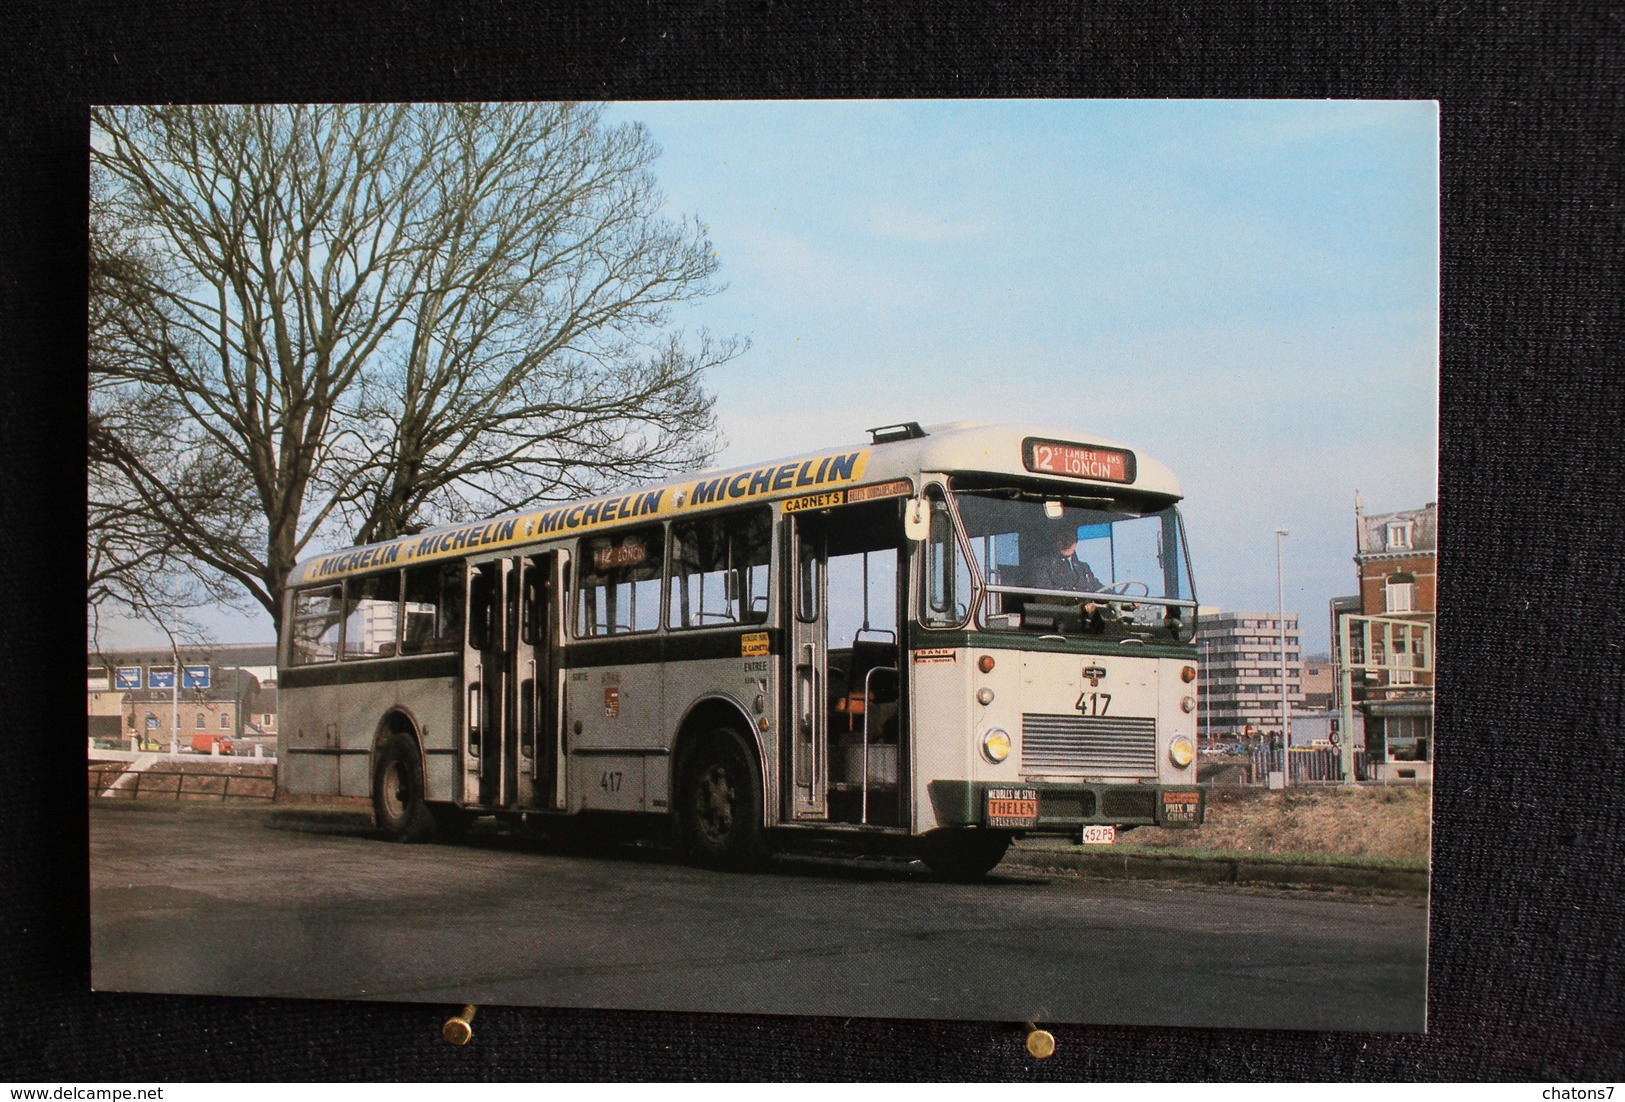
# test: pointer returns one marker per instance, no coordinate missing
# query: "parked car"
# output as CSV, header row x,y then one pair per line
x,y
204,743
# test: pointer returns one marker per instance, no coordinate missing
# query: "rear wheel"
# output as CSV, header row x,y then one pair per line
x,y
397,791
719,805
965,856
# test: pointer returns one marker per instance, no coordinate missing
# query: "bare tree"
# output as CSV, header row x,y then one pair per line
x,y
349,322
133,565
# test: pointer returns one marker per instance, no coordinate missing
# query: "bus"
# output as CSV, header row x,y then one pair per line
x,y
923,646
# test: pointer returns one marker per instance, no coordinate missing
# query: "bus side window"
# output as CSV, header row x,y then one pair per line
x,y
807,577
619,583
752,556
719,570
482,607
316,621
433,604
371,611
530,602
947,577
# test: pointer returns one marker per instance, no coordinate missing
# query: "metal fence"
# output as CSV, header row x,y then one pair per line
x,y
117,781
1309,765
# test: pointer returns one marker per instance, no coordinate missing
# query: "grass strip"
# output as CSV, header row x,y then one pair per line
x,y
1334,860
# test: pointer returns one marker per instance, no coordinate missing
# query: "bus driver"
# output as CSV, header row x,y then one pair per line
x,y
1061,569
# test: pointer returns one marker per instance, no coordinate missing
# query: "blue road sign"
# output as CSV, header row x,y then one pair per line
x,y
194,677
127,677
160,677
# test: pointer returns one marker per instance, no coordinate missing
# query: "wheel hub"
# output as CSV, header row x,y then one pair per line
x,y
394,791
715,800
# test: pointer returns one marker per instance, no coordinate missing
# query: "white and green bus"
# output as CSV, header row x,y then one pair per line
x,y
929,644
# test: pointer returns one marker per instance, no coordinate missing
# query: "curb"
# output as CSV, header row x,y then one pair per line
x,y
1220,870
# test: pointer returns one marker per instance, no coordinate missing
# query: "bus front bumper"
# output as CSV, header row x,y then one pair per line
x,y
1060,808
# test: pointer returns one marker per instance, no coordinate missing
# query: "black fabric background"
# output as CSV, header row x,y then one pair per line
x,y
1527,958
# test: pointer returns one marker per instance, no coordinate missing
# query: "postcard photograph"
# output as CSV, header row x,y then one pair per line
x,y
914,559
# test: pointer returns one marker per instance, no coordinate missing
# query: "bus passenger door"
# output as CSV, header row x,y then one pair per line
x,y
849,732
808,661
533,740
487,655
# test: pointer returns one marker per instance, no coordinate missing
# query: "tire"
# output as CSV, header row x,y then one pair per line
x,y
964,856
397,791
719,805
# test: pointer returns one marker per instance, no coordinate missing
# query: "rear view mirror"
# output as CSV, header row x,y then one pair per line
x,y
916,519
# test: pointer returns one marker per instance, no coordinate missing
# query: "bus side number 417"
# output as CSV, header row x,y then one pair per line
x,y
610,782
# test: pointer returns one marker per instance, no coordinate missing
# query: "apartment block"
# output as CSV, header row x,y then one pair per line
x,y
1241,674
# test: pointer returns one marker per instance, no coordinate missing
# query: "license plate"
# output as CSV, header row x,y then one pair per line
x,y
1012,807
1096,835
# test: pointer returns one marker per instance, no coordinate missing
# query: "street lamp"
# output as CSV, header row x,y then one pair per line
x,y
1286,715
1206,725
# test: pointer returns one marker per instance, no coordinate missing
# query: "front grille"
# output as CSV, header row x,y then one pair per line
x,y
1123,747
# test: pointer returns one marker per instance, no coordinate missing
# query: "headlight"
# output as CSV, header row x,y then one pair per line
x,y
1180,751
996,745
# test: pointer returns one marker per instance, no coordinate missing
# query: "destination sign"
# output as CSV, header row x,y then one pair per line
x,y
1078,460
630,553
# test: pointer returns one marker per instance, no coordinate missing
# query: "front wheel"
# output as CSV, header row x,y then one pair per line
x,y
719,805
397,791
965,856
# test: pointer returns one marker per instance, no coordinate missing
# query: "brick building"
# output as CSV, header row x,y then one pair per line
x,y
1396,556
225,690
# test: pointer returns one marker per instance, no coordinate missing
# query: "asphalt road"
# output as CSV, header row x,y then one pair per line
x,y
209,900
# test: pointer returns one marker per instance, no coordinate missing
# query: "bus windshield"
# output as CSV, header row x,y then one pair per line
x,y
1059,565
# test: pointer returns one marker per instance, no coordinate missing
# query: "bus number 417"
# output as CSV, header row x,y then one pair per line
x,y
1093,704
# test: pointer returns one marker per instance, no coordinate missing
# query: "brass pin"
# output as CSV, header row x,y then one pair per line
x,y
459,1030
1040,1042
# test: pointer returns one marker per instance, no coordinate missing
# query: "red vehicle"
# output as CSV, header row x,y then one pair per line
x,y
202,744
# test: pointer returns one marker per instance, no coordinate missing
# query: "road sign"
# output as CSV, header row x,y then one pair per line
x,y
194,677
127,677
160,677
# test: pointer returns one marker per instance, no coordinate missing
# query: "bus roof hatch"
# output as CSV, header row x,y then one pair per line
x,y
886,434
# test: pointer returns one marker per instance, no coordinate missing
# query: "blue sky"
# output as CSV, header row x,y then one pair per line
x,y
1246,290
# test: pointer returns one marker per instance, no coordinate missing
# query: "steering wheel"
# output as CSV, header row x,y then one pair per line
x,y
1123,588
